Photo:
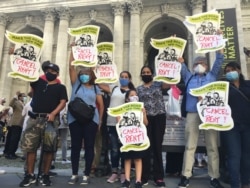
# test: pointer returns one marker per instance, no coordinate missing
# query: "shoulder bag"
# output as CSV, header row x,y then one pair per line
x,y
80,110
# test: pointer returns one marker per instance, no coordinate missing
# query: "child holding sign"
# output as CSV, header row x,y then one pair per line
x,y
131,96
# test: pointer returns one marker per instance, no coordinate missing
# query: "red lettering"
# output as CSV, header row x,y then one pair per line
x,y
212,119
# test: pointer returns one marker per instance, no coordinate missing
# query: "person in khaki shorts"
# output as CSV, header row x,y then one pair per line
x,y
49,98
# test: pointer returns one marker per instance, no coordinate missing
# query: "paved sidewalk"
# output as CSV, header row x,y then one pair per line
x,y
14,175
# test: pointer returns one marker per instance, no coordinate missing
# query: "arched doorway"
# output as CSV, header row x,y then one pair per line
x,y
159,29
18,84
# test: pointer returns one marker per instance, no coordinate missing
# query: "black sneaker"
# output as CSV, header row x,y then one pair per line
x,y
126,184
28,180
52,174
52,167
138,185
184,182
214,183
46,181
144,183
160,183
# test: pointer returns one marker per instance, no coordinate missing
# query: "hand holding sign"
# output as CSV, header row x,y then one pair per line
x,y
213,107
130,128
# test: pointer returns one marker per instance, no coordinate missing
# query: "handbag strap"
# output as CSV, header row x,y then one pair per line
x,y
78,87
189,80
240,92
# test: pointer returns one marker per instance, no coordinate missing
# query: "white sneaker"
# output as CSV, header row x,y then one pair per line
x,y
2,171
85,180
65,161
73,180
113,178
122,178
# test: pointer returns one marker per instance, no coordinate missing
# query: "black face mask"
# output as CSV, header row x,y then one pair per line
x,y
50,77
146,78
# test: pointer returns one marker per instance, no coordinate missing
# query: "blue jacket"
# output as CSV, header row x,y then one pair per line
x,y
200,80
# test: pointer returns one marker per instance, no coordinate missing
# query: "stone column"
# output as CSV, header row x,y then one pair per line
x,y
64,13
118,10
135,63
5,82
196,8
4,20
49,17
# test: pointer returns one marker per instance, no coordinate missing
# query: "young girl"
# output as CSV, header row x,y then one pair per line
x,y
131,96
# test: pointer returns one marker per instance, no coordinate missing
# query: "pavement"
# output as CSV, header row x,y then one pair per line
x,y
14,175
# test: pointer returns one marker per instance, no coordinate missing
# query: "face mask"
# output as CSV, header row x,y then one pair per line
x,y
84,78
50,77
232,76
124,81
134,98
146,78
24,99
199,69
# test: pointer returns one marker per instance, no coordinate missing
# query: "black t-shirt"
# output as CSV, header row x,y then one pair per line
x,y
47,97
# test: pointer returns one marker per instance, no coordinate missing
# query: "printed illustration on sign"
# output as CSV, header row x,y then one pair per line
x,y
213,107
106,70
166,65
85,51
25,59
204,28
130,128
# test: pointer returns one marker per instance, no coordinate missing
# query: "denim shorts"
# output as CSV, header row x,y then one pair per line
x,y
39,131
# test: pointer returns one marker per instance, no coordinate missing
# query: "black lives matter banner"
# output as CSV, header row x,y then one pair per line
x,y
229,28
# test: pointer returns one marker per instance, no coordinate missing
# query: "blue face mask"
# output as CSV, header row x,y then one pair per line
x,y
84,78
232,76
124,82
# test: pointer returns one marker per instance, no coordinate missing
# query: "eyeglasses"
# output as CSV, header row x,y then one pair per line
x,y
45,89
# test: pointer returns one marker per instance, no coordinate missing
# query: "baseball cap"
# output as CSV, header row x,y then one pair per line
x,y
198,59
48,65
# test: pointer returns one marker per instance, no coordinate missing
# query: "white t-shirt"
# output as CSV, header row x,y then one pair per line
x,y
117,98
25,111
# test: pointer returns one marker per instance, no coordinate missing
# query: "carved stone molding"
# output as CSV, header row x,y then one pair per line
x,y
4,19
135,6
118,8
92,15
195,4
64,13
49,14
165,9
246,29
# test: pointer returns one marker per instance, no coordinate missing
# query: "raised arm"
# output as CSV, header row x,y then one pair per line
x,y
72,70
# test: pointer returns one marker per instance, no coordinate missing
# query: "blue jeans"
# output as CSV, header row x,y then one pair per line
x,y
237,145
115,148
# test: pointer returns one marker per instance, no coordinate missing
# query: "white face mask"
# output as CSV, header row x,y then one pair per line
x,y
134,98
199,69
24,99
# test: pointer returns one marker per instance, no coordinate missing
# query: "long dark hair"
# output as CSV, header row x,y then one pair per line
x,y
130,84
92,75
146,66
235,66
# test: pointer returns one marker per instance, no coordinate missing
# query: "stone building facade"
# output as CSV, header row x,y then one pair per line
x,y
130,24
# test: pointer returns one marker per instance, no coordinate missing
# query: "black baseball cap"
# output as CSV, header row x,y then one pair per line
x,y
48,65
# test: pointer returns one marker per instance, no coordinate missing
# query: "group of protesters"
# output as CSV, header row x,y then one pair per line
x,y
49,99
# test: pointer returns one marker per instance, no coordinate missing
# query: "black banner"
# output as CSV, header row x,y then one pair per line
x,y
229,27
